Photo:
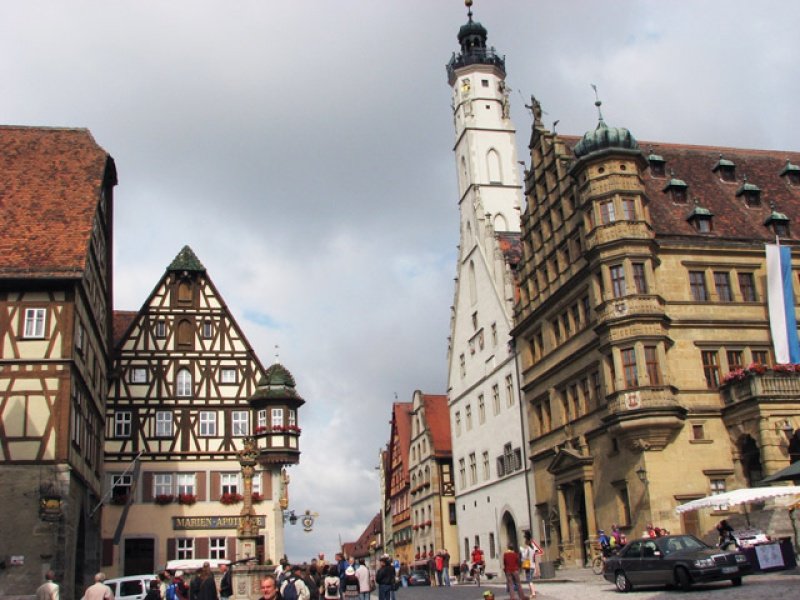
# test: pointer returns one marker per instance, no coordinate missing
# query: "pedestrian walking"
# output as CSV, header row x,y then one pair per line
x,y
385,578
99,590
362,574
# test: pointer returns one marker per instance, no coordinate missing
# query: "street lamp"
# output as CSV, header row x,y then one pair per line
x,y
641,473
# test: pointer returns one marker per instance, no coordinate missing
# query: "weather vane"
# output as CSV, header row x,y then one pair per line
x,y
468,4
597,102
277,353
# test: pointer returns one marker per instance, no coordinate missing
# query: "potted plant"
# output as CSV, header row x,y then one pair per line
x,y
187,499
257,498
230,498
260,429
163,499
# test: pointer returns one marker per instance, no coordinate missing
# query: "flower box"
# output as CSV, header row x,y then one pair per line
x,y
260,429
163,499
187,499
257,498
428,523
229,498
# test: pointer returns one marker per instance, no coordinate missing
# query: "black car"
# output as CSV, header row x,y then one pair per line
x,y
673,560
418,577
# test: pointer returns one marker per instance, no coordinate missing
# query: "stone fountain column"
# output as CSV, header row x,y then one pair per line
x,y
248,530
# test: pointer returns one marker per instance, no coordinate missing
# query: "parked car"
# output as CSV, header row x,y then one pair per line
x,y
418,577
680,560
131,587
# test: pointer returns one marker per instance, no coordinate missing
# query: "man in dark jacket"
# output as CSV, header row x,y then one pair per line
x,y
385,578
225,584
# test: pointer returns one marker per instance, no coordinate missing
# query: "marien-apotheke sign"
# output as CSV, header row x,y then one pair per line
x,y
214,522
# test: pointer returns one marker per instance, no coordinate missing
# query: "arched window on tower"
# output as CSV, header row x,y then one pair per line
x,y
500,223
473,285
493,166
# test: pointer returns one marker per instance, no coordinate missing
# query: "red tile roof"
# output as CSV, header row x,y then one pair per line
x,y
732,219
437,415
50,183
401,414
122,319
362,546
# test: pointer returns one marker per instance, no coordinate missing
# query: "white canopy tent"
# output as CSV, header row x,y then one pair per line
x,y
736,497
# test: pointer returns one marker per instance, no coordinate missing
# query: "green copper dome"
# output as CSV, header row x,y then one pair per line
x,y
604,138
277,384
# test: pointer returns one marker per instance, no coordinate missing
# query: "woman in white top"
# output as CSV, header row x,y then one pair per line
x,y
330,585
529,553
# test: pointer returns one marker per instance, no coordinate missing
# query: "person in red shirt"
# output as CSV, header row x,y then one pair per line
x,y
511,569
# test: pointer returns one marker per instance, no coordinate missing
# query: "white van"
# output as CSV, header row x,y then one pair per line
x,y
132,587
190,565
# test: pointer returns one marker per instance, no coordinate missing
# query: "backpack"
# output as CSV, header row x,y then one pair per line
x,y
331,590
289,591
172,593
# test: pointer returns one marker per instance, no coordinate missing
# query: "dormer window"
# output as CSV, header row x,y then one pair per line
x,y
677,189
657,165
791,173
750,192
700,218
778,223
726,169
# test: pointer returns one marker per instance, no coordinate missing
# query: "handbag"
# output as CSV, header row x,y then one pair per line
x,y
526,564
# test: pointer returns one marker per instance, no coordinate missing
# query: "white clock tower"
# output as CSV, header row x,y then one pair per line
x,y
486,419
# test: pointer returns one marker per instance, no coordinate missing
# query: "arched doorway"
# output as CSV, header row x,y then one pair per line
x,y
751,460
508,533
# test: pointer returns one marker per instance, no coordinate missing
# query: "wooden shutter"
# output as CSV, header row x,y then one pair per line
x,y
147,487
201,547
215,486
266,484
170,549
230,551
200,481
108,552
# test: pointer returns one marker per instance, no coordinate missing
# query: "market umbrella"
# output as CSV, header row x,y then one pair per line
x,y
790,473
736,497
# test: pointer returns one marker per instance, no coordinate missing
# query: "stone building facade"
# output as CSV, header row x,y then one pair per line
x,y
643,284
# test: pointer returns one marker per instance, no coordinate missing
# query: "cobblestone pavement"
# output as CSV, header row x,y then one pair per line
x,y
582,584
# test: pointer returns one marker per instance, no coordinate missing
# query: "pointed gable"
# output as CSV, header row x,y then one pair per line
x,y
437,417
51,183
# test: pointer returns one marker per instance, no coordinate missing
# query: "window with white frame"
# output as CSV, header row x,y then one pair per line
x,y
163,423
208,329
161,329
257,483
185,484
262,418
216,548
183,383
184,548
208,423
229,483
239,422
277,417
718,486
122,424
162,484
121,487
34,322
227,375
138,375
292,417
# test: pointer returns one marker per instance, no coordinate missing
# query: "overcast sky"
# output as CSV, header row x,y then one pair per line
x,y
303,149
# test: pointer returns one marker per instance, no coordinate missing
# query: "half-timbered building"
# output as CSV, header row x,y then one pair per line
x,y
397,482
183,374
55,323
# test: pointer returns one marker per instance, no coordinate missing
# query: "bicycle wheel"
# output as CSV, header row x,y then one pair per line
x,y
597,565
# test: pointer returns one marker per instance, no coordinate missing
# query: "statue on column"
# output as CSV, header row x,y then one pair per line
x,y
248,521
